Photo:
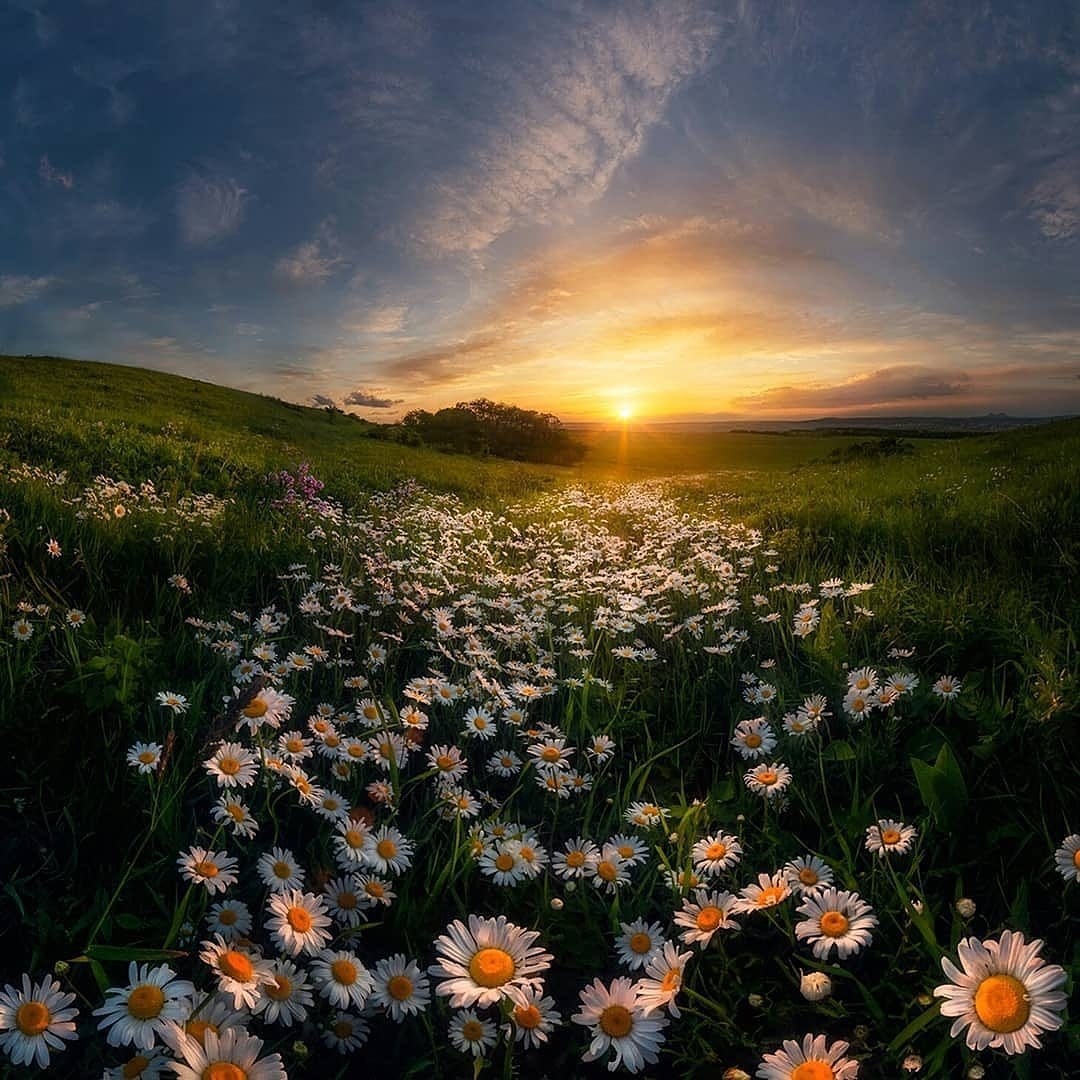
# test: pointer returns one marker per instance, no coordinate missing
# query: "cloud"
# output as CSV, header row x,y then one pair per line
x,y
16,289
563,114
53,176
369,399
209,208
323,402
314,261
1055,199
893,385
109,219
389,319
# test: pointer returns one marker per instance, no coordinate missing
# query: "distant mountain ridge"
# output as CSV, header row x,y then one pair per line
x,y
928,424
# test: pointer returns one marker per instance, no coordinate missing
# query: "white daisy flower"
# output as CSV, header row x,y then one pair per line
x,y
234,1047
617,1023
835,919
279,871
35,1020
1067,858
814,1060
663,980
704,915
533,1019
298,922
470,1034
144,756
716,853
638,943
229,918
890,837
285,998
808,873
401,987
342,979
214,870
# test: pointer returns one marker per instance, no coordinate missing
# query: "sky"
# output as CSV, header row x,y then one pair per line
x,y
675,209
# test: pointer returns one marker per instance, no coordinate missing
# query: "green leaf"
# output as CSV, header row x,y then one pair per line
x,y
839,750
121,953
942,787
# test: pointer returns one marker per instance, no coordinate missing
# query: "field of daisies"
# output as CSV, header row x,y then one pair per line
x,y
603,780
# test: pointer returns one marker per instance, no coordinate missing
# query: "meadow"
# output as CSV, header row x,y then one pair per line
x,y
739,739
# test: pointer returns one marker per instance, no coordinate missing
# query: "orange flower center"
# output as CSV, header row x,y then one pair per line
x,y
767,778
346,901
282,870
375,888
399,987
145,1002
770,896
752,741
354,838
229,766
223,1070
343,1029
294,746
197,1029
504,862
890,836
491,967
333,741
607,870
616,1021
527,1016
808,876
236,965
32,1018
279,989
672,980
640,943
147,757
472,1030
206,868
386,849
227,917
834,924
709,918
1002,1003
575,859
256,708
134,1067
343,971
444,761
1076,858
625,850
299,919
235,811
813,1070
549,753
716,850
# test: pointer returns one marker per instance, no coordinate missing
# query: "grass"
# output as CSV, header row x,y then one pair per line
x,y
972,546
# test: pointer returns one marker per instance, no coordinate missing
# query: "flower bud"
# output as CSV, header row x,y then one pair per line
x,y
965,907
912,1063
755,1000
815,986
735,1073
300,1049
976,1072
556,904
61,968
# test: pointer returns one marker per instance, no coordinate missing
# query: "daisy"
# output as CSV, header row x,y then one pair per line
x,y
768,780
236,815
1067,858
769,890
551,754
617,1022
486,961
369,712
233,1054
169,700
401,987
889,836
601,749
389,851
342,896
754,738
346,1033
864,680
349,843
470,1034
137,1013
575,858
144,756
286,996
663,980
813,1060
22,629
644,814
232,765
342,979
533,1020
479,724
798,725
808,873
294,747
947,687
279,870
449,762
214,870
704,915
139,1067
503,863
458,803
835,919
716,853
504,763
229,918
638,943
374,891
35,1020
553,782
298,921
610,871
216,1014
268,708
631,849
239,974
75,618
333,806
1003,993
388,749
533,856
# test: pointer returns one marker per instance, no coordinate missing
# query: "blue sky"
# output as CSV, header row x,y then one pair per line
x,y
686,208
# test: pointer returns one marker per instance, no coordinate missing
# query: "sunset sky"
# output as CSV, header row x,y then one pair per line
x,y
677,208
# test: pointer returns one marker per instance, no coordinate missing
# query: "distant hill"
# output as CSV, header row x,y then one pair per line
x,y
852,425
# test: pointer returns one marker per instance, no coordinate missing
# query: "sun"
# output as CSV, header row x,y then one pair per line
x,y
626,411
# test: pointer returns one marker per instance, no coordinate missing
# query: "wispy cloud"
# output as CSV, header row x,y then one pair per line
x,y
1055,199
370,399
208,208
388,319
16,289
314,261
54,177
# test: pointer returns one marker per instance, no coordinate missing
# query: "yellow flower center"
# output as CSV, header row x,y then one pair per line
x,y
197,1029
504,862
206,869
147,757
813,1070
640,943
716,850
549,753
808,876
134,1067
616,1021
346,900
386,848
890,836
235,811
834,924
399,987
229,766
333,741
444,761
294,746
472,1030
709,918
371,713
607,870
279,989
236,965
575,859
223,1070
32,1018
1076,858
145,1002
672,980
527,1016
1002,1003
343,971
752,741
343,1029
282,870
354,838
374,888
227,917
254,709
480,723
767,777
772,895
491,967
299,919
625,850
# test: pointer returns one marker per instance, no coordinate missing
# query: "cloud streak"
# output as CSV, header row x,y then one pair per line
x,y
209,208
